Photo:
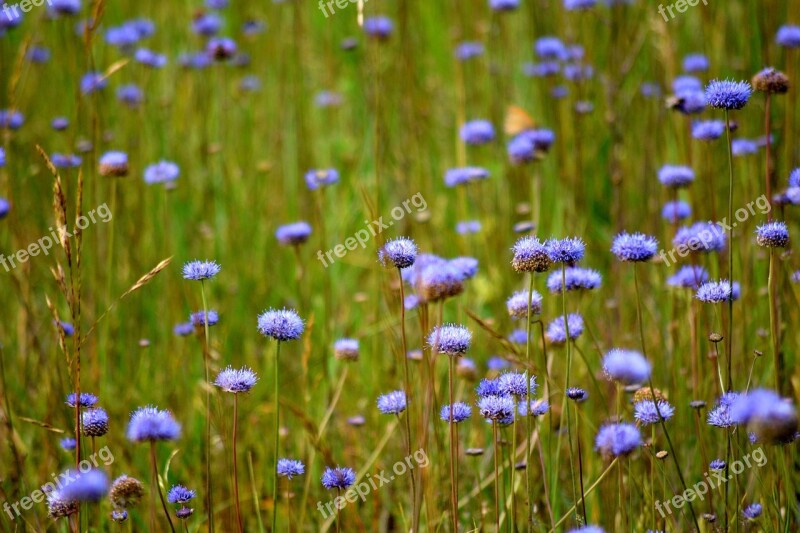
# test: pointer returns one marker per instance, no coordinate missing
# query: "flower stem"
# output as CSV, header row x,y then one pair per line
x,y
277,429
773,320
407,384
235,470
156,488
453,455
206,348
730,249
496,479
528,431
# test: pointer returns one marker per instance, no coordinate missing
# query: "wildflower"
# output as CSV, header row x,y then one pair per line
x,y
281,325
717,464
206,24
184,512
700,236
614,440
676,211
149,58
577,5
771,81
503,5
338,478
200,270
477,132
119,515
521,149
550,48
401,252
788,36
94,422
556,332
59,507
716,292
67,444
569,250
708,130
161,172
294,233
773,235
92,82
752,511
114,164
516,384
468,50
464,175
290,468
450,339
86,399
130,95
771,418
531,255
346,349
517,304
576,394
459,412
488,387
184,329
518,336
440,281
695,63
626,366
646,412
180,494
221,48
720,415
151,424
497,407
10,119
65,7
203,318
467,227
634,247
236,380
538,407
126,492
379,27
85,487
466,266
689,277
743,147
392,403
727,94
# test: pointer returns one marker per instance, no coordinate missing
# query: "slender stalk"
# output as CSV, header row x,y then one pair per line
x,y
206,348
407,385
564,406
591,488
156,488
496,479
453,455
235,470
730,249
768,142
276,429
773,320
580,460
528,431
338,524
513,467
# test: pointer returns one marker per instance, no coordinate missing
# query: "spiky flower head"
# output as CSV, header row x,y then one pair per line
x,y
568,251
119,515
539,407
290,468
180,494
152,424
634,247
752,511
496,407
676,211
517,304
488,387
773,235
717,464
516,384
647,413
318,178
201,318
771,81
531,255
459,412
88,486
614,440
728,94
450,339
338,478
281,325
94,422
236,380
576,278
400,252
557,333
126,492
715,292
59,507
771,418
720,415
346,349
439,281
626,366
87,399
700,237
392,403
114,164
200,270
294,233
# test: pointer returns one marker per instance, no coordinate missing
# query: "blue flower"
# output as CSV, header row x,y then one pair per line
x,y
689,277
457,414
521,149
467,227
577,394
318,178
294,233
119,516
236,380
695,63
346,349
180,494
557,333
569,250
531,255
517,304
464,175
92,82
338,478
614,440
439,281
86,400
67,444
686,83
221,48
752,511
200,270
59,123
771,418
196,60
450,339
488,387
379,27
66,160
467,266
94,422
504,5
708,130
773,235
161,172
201,318
646,412
206,24
37,54
149,58
727,94
88,486
184,329
587,529
10,119
541,70
65,7
650,90
575,5
130,95
720,415
715,292
58,506
700,236
468,50
717,464
516,384
290,468
392,403
794,178
518,336
538,407
550,48
626,366
401,252
151,424
634,247
497,407
788,36
2,157
281,325
690,102
676,211
114,164
743,147
541,138
477,132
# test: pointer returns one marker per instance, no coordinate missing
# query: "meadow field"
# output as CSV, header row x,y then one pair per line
x,y
477,265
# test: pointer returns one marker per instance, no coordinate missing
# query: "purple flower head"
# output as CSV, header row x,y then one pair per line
x,y
180,494
588,528
119,516
94,422
67,444
788,36
206,24
201,318
689,277
439,281
88,486
614,440
400,252
794,178
11,120
497,407
717,464
690,102
752,511
695,63
541,70
92,82
221,48
200,270
130,95
59,123
151,424
538,407
557,333
379,27
720,415
467,266
194,60
531,255
521,149
468,50
577,5
294,233
634,247
700,237
457,414
708,130
488,387
149,58
727,94
518,336
319,178
477,132
464,175
771,418
517,304
516,384
392,403
236,380
65,7
66,160
86,400
577,394
450,339
281,325
161,172
744,147
716,292
468,227
550,48
346,349
569,250
290,468
114,164
684,83
59,506
646,412
676,211
626,366
503,5
338,478
773,235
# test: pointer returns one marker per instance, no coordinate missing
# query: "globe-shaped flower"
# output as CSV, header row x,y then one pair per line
x,y
743,147
614,440
180,494
5,208
378,27
715,292
114,164
466,266
773,235
588,529
689,277
717,464
201,318
161,172
294,233
200,270
88,486
634,247
450,339
477,132
92,82
700,237
538,407
676,211
126,492
468,50
221,48
576,394
517,304
281,325
463,175
184,329
392,403
569,250
67,444
626,366
771,81
708,130
338,478
689,102
752,511
457,414
12,120
646,412
771,418
727,94
94,422
550,48
236,380
346,349
577,5
497,407
400,252
516,384
720,415
503,5
468,227
440,281
488,387
557,332
86,399
521,149
531,255
151,424
788,36
695,63
290,468
149,58
206,24
59,506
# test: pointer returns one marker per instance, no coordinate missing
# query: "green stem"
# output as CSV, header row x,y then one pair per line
x,y
206,349
277,443
528,469
730,249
